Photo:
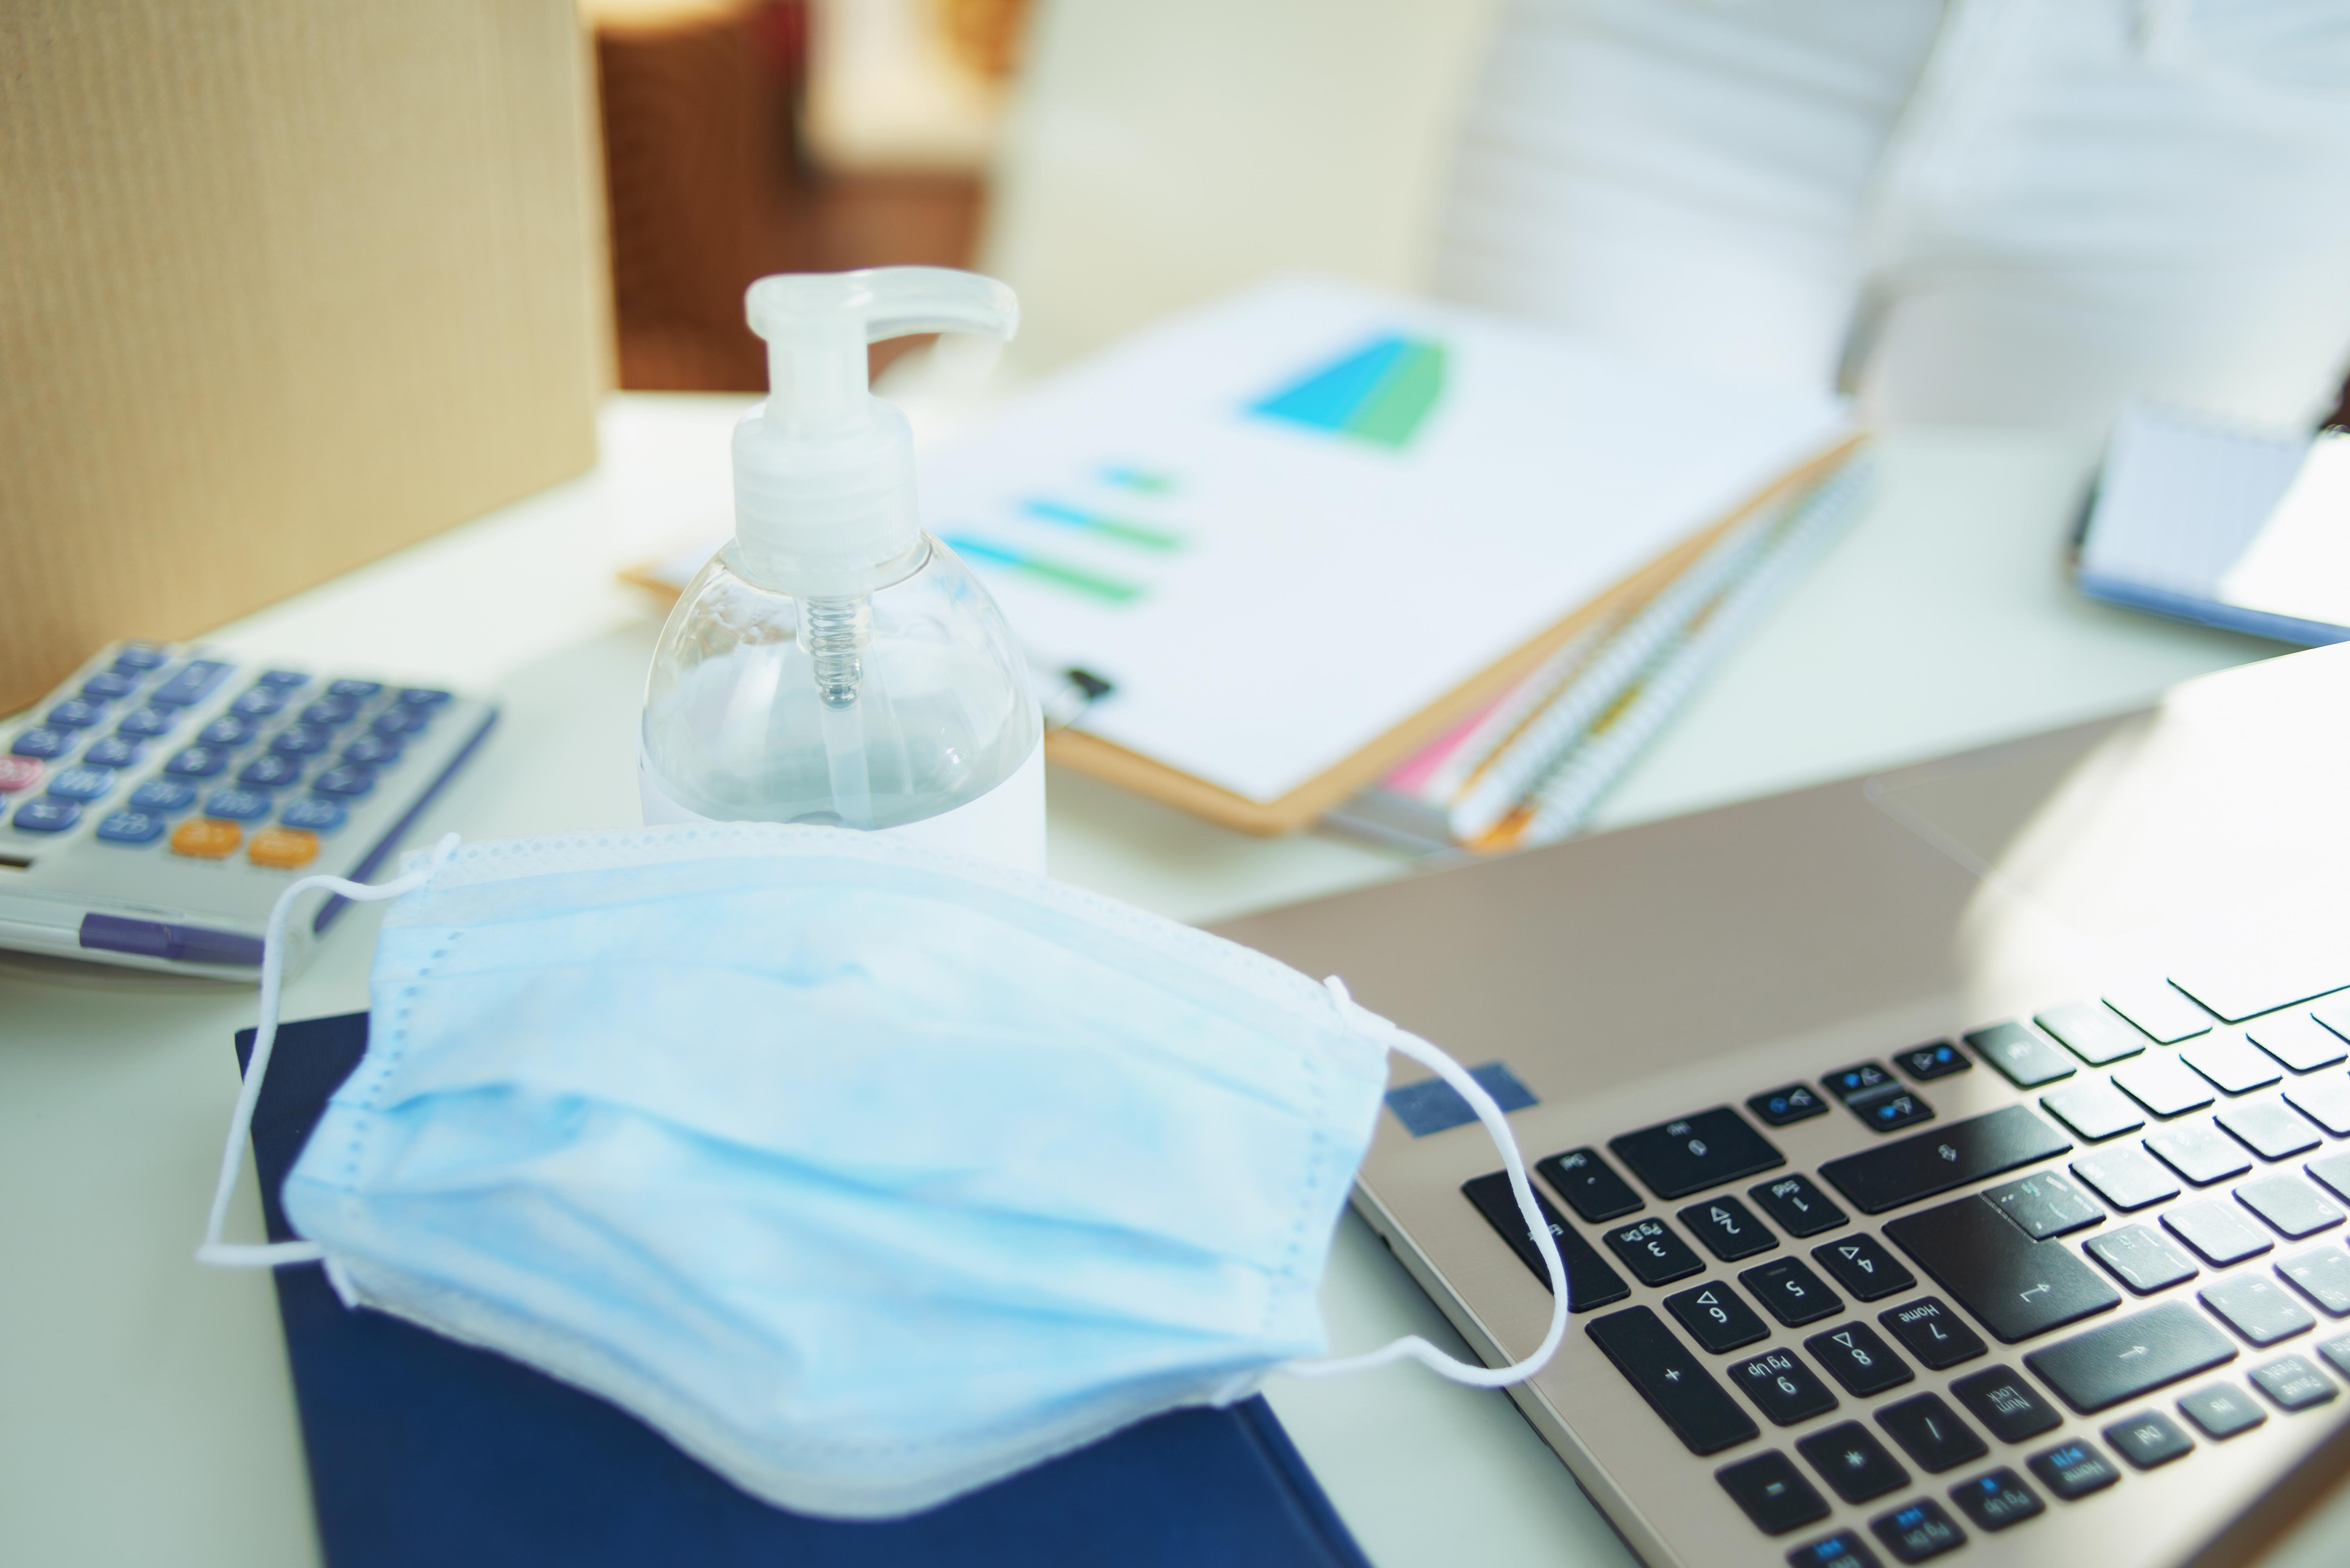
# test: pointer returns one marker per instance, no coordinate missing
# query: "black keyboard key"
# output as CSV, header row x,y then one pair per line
x,y
1792,1103
1678,1158
1862,1265
1933,1333
2131,1356
2199,1151
2228,1061
1854,1463
1590,1186
2127,1177
2217,1230
1793,1293
2044,1204
2297,1040
1728,1228
2027,1060
2322,1274
1854,1082
2138,1257
1927,1163
2074,1470
1856,1358
2095,1109
1931,1433
1917,1530
1803,1209
2268,1129
2222,1410
1718,1317
1700,1411
1654,1254
2093,1031
2292,1207
1891,1112
1996,1499
2293,1383
1781,1387
2149,1438
2163,1085
1845,1549
2001,1399
2017,1286
2260,1310
1590,1282
1927,1062
1773,1492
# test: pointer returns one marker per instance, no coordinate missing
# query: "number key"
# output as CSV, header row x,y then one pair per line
x,y
1856,1358
1729,1228
1793,1293
1716,1316
1862,1265
1652,1251
1933,1333
1800,1207
1781,1387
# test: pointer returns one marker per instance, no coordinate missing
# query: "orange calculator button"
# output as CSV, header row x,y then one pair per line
x,y
284,847
206,839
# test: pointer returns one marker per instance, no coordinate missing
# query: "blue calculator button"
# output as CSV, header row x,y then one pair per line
x,y
330,712
197,763
146,721
191,682
270,771
284,680
106,686
113,752
47,815
350,782
317,815
82,783
402,720
299,741
139,656
132,828
258,703
239,806
372,751
42,742
357,691
162,794
228,729
422,697
73,713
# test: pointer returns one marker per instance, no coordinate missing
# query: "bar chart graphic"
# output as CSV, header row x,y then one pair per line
x,y
1380,392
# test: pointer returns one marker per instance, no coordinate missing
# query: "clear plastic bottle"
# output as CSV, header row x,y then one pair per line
x,y
834,664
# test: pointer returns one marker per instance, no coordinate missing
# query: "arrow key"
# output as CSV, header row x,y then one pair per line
x,y
1862,1265
1856,1358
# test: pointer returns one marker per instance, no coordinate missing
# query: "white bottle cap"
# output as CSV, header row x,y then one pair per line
x,y
824,470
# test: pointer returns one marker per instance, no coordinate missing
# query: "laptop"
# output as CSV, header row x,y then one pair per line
x,y
1950,1164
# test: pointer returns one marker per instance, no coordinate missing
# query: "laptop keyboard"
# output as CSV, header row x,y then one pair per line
x,y
2159,1147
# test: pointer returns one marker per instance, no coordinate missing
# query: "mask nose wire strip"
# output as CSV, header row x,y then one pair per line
x,y
1411,1346
235,1255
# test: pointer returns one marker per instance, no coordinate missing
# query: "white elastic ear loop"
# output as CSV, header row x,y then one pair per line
x,y
243,1255
1411,1346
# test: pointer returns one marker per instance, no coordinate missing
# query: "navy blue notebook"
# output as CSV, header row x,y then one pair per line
x,y
426,1452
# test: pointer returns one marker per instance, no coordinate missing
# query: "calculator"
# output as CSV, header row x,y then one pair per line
x,y
156,805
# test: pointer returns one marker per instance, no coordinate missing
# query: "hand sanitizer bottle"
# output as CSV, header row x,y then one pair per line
x,y
834,663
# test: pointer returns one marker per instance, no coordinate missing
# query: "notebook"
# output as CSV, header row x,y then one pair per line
x,y
1302,530
424,1452
2249,530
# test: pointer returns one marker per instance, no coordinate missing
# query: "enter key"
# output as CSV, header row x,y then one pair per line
x,y
2017,1286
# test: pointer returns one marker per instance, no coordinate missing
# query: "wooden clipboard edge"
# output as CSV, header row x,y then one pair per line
x,y
1309,802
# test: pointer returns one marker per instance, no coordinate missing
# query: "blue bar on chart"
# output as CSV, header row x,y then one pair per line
x,y
1060,574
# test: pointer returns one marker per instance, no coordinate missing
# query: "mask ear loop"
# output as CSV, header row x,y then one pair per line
x,y
245,1255
1411,1346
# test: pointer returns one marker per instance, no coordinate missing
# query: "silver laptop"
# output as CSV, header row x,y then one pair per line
x,y
1950,1164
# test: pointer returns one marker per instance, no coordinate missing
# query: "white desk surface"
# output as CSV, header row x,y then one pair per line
x,y
145,1412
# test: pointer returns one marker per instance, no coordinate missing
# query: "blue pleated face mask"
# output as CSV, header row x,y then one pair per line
x,y
868,1175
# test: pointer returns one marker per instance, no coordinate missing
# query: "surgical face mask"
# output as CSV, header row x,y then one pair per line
x,y
868,1175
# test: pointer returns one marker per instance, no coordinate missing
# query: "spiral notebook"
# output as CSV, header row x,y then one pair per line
x,y
424,1452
